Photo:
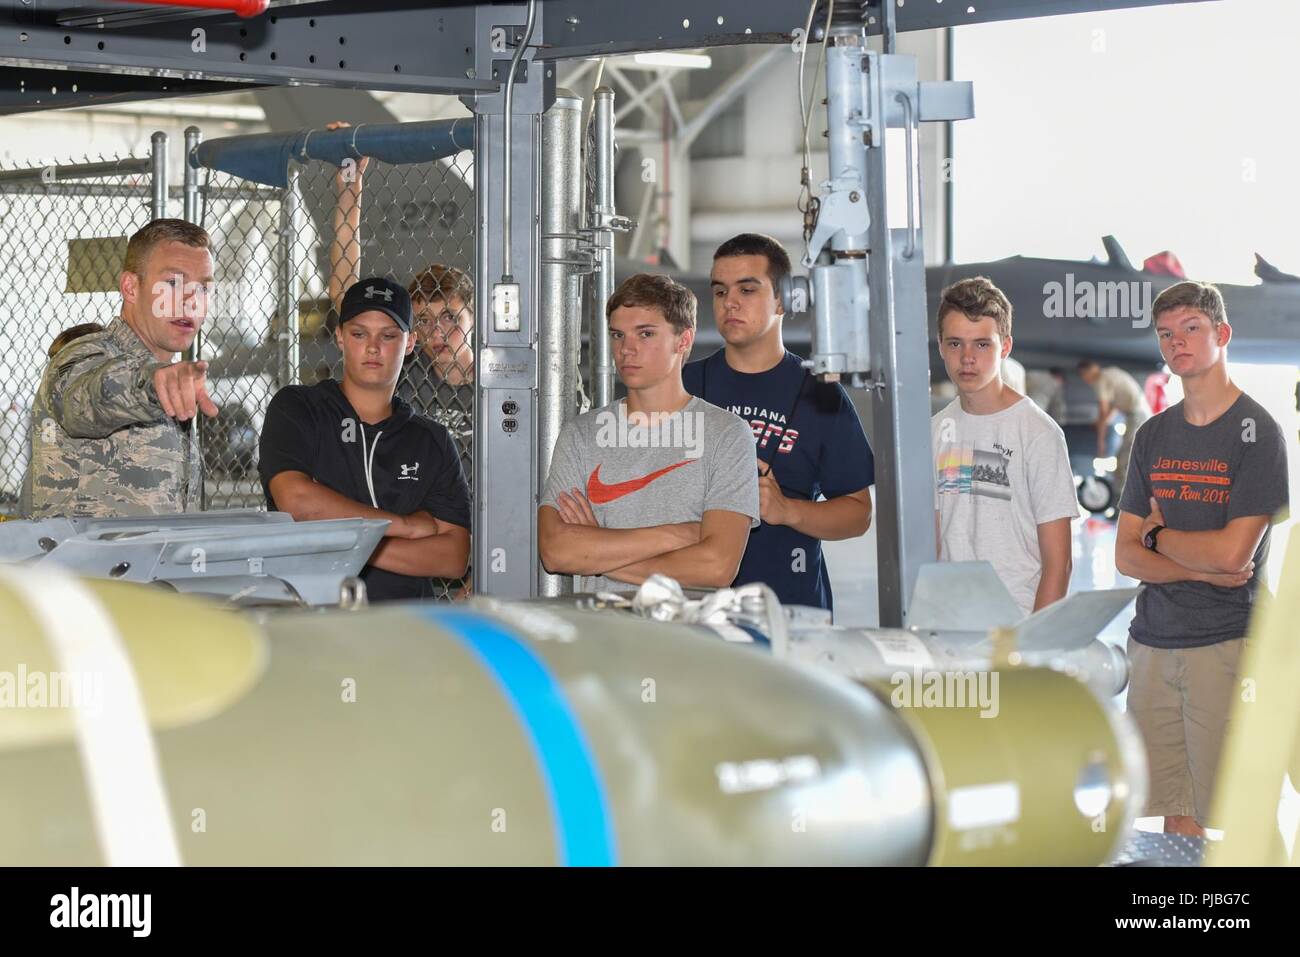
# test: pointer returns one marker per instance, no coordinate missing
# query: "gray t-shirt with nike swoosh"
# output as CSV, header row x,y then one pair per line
x,y
637,473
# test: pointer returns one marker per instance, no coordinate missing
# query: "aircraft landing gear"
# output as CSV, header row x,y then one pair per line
x,y
1096,494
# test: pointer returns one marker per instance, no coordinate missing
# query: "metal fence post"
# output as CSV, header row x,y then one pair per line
x,y
193,136
289,372
601,219
158,174
559,310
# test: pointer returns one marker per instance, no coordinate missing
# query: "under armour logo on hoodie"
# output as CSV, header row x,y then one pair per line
x,y
372,292
410,473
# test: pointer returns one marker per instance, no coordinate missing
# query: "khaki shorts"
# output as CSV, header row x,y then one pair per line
x,y
1180,699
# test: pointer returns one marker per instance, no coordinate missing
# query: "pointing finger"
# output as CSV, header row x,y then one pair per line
x,y
173,394
206,404
187,382
160,389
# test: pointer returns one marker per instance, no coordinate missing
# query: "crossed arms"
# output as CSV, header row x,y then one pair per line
x,y
704,554
1220,557
417,544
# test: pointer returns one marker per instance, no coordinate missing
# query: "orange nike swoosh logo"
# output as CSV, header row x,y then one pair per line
x,y
598,493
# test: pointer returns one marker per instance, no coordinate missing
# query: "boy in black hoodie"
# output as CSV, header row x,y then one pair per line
x,y
353,449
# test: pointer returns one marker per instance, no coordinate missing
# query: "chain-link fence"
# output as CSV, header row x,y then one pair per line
x,y
241,335
284,258
62,239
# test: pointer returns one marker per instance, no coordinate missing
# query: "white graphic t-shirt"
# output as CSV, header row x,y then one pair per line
x,y
997,478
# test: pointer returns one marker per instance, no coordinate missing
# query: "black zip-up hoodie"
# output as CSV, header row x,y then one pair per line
x,y
404,464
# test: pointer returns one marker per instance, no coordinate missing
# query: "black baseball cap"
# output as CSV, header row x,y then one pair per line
x,y
378,293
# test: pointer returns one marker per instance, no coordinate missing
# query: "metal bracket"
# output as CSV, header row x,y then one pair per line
x,y
842,209
501,69
945,100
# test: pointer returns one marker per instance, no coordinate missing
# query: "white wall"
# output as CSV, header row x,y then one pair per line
x,y
1170,127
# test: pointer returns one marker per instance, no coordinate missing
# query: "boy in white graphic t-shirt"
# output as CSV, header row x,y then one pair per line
x,y
1004,491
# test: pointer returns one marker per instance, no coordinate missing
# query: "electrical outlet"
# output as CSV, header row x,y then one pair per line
x,y
505,307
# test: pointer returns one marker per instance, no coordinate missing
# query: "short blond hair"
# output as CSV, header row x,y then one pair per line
x,y
160,231
1201,296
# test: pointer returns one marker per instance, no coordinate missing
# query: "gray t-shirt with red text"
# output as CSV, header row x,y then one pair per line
x,y
638,473
1204,477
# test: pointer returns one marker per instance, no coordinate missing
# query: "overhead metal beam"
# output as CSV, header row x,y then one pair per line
x,y
391,45
421,46
115,14
26,90
599,28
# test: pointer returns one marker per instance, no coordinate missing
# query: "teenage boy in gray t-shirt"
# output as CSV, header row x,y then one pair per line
x,y
659,482
1004,492
1207,479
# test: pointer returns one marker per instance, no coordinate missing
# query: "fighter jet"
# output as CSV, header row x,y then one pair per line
x,y
1066,310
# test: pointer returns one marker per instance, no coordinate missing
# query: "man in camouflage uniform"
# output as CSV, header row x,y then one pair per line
x,y
112,421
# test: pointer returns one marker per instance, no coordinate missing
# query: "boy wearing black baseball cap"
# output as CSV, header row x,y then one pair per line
x,y
352,449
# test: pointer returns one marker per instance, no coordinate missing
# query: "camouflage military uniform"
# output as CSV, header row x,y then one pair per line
x,y
101,444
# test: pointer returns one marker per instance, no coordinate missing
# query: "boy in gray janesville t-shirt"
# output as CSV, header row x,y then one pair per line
x,y
638,474
1203,477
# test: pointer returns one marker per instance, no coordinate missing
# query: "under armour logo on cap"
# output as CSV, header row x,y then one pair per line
x,y
378,294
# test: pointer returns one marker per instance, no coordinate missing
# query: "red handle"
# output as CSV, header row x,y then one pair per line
x,y
244,8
